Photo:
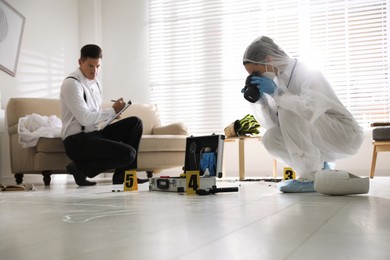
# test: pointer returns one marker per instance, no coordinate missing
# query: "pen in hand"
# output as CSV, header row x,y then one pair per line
x,y
120,100
118,104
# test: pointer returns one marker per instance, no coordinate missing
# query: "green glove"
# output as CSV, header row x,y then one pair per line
x,y
248,126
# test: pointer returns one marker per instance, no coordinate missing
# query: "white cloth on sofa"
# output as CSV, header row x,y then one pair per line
x,y
34,126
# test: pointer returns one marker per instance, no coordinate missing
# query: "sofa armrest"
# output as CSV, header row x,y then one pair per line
x,y
171,129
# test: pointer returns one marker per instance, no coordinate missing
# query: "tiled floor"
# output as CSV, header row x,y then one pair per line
x,y
258,222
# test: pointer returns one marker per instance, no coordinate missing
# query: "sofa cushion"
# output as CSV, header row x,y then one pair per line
x,y
20,107
381,134
148,113
149,143
50,145
171,129
161,143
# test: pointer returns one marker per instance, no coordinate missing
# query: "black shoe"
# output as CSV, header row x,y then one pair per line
x,y
118,178
78,175
117,181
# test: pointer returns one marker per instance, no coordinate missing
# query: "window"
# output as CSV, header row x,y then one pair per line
x,y
196,50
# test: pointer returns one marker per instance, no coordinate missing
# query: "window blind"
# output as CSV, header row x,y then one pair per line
x,y
196,48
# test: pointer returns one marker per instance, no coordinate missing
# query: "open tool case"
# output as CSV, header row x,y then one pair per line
x,y
203,154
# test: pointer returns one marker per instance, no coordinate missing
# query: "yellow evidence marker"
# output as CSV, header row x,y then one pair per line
x,y
192,182
131,182
289,174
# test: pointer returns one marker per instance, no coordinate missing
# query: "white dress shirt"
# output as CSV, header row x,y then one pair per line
x,y
77,111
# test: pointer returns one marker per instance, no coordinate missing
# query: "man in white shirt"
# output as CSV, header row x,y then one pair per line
x,y
94,150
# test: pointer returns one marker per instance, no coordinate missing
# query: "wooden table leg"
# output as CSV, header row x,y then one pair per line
x,y
275,168
373,162
241,158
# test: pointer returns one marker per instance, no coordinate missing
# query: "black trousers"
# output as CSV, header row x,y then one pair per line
x,y
114,147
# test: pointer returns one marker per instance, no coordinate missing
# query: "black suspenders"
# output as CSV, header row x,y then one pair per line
x,y
85,96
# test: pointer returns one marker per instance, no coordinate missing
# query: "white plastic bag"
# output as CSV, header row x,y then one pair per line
x,y
34,126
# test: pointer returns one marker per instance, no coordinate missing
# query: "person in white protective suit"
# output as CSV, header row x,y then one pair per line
x,y
306,124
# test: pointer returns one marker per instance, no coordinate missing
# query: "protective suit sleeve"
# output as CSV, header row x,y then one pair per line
x,y
265,112
309,105
309,97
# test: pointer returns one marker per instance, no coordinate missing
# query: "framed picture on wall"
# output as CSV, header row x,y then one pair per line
x,y
11,32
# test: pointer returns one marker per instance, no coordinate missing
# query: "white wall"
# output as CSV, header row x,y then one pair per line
x,y
49,45
56,29
125,62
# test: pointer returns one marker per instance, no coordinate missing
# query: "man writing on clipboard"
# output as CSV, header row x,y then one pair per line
x,y
94,150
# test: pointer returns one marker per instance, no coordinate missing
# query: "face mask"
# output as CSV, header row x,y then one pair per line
x,y
269,74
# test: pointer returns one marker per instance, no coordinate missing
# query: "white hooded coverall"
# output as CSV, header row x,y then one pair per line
x,y
306,124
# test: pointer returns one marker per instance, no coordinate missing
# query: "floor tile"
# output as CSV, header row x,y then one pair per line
x,y
64,221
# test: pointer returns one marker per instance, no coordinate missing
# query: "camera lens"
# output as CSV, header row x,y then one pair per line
x,y
252,94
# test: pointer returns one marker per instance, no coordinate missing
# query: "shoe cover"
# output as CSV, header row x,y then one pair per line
x,y
336,182
295,186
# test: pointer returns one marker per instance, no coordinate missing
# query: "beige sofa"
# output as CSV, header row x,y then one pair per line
x,y
161,147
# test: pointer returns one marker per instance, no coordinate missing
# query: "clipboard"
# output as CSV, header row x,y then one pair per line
x,y
117,114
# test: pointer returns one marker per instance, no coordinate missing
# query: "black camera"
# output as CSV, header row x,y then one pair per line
x,y
251,92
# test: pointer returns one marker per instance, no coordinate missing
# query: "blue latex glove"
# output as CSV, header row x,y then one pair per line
x,y
265,85
208,160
